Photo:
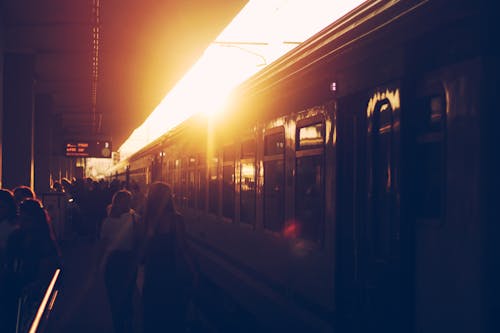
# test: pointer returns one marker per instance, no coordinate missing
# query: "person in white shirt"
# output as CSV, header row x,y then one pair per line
x,y
120,234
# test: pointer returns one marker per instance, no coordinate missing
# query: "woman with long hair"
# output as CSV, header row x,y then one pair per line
x,y
169,274
33,249
120,234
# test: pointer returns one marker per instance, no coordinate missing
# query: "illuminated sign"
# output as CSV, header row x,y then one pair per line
x,y
88,148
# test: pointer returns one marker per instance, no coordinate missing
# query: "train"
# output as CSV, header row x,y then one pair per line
x,y
351,185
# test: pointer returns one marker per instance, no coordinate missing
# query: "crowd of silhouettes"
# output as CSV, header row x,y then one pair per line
x,y
143,242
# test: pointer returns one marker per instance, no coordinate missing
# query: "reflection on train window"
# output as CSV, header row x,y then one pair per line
x,y
274,143
310,136
274,182
213,187
430,157
228,191
247,190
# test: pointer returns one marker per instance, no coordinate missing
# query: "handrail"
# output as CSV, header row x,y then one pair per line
x,y
43,304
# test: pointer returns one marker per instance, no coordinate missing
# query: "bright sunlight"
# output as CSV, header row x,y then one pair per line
x,y
263,31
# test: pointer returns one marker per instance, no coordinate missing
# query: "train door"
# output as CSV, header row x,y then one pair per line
x,y
368,278
381,234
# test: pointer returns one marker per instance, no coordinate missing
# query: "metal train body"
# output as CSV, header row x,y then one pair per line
x,y
349,185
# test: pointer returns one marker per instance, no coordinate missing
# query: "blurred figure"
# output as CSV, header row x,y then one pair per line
x,y
169,273
23,192
57,187
120,235
66,185
8,299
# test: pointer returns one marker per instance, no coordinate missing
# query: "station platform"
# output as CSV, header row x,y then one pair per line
x,y
81,305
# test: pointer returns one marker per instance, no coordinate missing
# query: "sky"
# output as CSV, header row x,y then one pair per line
x,y
262,31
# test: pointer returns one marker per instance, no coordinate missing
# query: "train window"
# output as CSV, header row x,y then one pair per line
x,y
430,157
228,191
309,197
274,181
247,192
213,187
310,136
247,182
274,143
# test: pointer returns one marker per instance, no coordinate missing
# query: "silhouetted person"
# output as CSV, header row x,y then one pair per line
x,y
57,187
169,274
8,219
120,235
32,252
8,224
33,245
23,192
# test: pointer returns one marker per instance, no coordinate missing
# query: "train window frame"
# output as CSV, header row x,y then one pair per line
x,y
272,158
271,132
247,159
307,152
310,123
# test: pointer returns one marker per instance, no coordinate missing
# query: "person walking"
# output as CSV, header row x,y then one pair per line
x,y
169,272
120,234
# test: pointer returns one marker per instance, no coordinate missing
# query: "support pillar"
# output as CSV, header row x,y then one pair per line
x,y
18,121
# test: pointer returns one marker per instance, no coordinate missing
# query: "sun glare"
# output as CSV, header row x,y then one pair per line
x,y
263,31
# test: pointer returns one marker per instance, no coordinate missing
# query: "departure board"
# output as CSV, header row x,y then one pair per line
x,y
88,148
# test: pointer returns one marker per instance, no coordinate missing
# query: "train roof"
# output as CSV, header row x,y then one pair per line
x,y
363,21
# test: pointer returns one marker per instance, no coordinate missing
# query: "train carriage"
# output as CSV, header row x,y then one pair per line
x,y
348,186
